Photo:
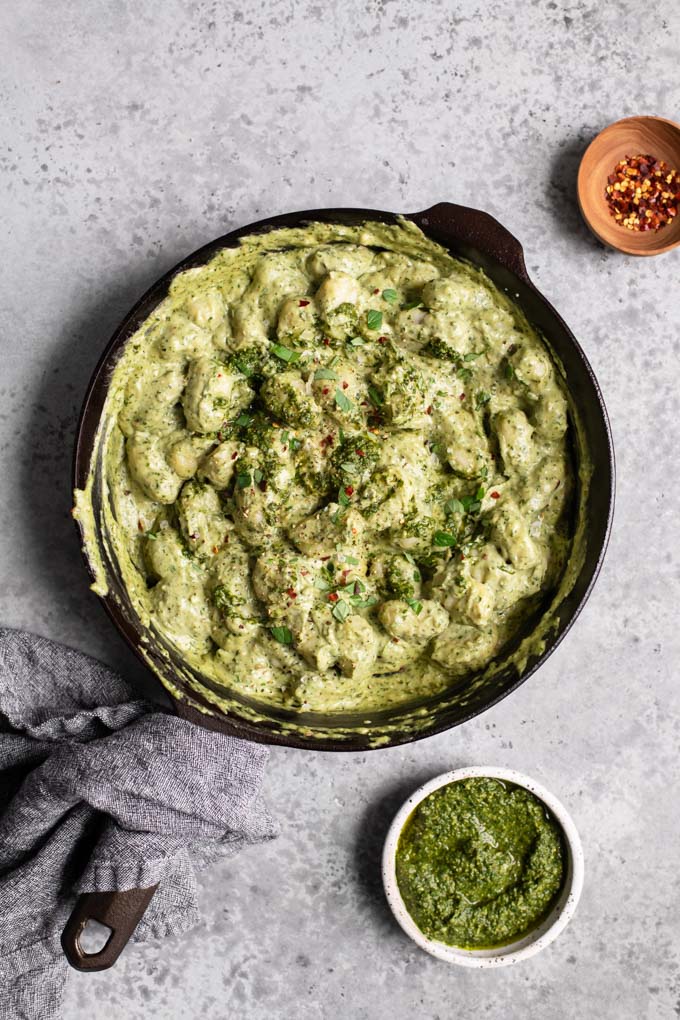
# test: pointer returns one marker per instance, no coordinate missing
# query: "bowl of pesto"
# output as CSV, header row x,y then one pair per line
x,y
334,477
483,867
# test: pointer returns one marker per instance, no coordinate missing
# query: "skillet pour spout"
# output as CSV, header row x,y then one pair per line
x,y
480,239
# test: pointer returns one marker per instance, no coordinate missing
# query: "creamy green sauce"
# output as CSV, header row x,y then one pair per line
x,y
336,469
480,863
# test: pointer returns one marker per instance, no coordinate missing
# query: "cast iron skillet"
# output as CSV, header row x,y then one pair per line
x,y
472,235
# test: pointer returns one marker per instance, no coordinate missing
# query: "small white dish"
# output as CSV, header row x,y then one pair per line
x,y
541,936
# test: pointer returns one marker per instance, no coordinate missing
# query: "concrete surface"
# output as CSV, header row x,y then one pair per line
x,y
134,132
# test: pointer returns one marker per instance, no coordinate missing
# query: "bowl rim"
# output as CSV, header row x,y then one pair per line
x,y
534,941
625,247
453,225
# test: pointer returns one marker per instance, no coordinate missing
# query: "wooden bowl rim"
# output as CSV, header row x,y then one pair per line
x,y
627,244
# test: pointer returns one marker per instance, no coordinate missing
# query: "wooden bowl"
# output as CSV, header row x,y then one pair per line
x,y
632,136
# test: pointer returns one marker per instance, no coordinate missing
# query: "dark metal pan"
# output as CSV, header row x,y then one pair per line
x,y
469,234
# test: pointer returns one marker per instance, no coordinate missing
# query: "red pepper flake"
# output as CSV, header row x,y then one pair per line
x,y
304,573
462,396
382,339
193,536
349,490
302,304
643,193
326,342
324,558
219,375
495,495
140,526
345,385
234,455
215,549
360,453
327,440
428,410
325,391
377,290
291,593
333,597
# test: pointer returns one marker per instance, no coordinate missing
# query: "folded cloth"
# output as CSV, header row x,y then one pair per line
x,y
99,792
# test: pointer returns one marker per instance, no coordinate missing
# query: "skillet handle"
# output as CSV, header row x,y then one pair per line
x,y
456,224
119,911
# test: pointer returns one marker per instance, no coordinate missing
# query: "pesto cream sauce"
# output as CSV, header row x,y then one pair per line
x,y
337,468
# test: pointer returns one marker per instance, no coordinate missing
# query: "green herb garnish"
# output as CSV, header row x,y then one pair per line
x,y
325,373
282,635
471,504
342,402
359,603
390,295
285,353
374,319
341,610
444,539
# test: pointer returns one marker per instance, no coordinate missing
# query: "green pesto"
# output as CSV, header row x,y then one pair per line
x,y
289,448
480,863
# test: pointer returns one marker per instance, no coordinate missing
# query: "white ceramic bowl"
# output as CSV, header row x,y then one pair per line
x,y
544,933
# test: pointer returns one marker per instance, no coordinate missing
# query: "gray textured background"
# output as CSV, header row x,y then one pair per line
x,y
134,132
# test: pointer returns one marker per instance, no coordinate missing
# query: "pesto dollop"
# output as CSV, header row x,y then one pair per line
x,y
480,863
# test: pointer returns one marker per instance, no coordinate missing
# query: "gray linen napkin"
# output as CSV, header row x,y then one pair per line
x,y
98,792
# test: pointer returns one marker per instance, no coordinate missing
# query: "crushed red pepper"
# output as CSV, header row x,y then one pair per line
x,y
643,193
